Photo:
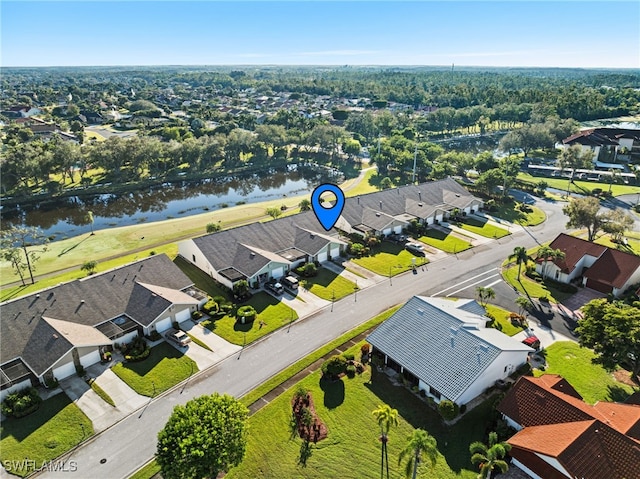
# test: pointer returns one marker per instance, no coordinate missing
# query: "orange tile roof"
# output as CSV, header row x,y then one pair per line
x,y
622,417
552,439
574,249
614,268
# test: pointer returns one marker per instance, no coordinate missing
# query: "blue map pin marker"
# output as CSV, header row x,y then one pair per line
x,y
327,216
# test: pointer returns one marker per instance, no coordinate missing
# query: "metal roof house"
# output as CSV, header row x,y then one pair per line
x,y
445,348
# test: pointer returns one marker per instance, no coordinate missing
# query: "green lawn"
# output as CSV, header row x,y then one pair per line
x,y
52,430
532,288
329,285
271,311
201,279
352,448
164,368
573,363
388,258
579,186
363,187
534,215
445,242
482,228
147,471
502,321
102,393
632,246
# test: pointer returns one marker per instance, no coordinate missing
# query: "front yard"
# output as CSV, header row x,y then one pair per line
x,y
389,259
444,241
328,285
164,368
482,228
502,321
57,426
532,217
271,315
532,288
352,448
592,381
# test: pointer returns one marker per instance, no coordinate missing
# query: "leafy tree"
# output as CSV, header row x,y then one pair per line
x,y
616,222
386,417
490,457
573,158
89,266
305,205
241,288
204,437
541,187
546,254
520,256
213,227
484,295
274,212
13,255
523,303
420,442
30,241
612,330
386,183
490,180
585,213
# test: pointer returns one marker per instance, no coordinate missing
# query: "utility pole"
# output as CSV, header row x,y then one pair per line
x,y
415,159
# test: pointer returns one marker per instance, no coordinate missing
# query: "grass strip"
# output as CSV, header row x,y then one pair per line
x,y
199,343
272,383
147,471
102,393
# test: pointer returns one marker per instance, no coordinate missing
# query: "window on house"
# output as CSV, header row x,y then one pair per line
x,y
193,256
434,392
505,369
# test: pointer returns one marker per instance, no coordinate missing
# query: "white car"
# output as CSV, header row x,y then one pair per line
x,y
178,337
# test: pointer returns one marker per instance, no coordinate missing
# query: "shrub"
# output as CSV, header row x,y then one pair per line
x,y
210,307
196,315
301,392
246,314
447,409
351,371
463,409
349,356
308,270
155,336
423,393
357,249
136,350
21,403
334,366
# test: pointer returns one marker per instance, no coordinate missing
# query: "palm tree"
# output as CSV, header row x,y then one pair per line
x,y
546,254
420,442
485,294
386,417
89,219
520,256
489,458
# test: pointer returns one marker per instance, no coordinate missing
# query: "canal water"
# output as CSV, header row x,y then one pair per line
x,y
66,217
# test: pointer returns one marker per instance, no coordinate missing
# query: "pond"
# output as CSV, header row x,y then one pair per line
x,y
65,217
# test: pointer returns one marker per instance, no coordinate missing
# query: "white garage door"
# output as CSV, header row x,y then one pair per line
x,y
183,315
163,325
64,371
386,231
90,358
278,272
397,229
322,257
335,251
439,217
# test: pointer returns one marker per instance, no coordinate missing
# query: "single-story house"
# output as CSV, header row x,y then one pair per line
x,y
389,211
560,436
601,268
258,252
607,143
445,348
50,333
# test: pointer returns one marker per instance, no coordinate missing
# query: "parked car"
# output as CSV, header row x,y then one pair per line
x,y
178,337
532,342
275,287
290,283
415,248
397,238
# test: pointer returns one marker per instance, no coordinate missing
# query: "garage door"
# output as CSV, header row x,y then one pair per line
x,y
335,251
278,272
322,257
90,358
398,229
64,371
183,315
163,325
386,231
598,286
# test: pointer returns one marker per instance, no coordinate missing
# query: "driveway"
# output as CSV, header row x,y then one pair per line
x,y
571,306
221,347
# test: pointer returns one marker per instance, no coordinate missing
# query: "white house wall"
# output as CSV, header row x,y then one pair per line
x,y
127,338
553,462
192,254
633,279
16,387
496,370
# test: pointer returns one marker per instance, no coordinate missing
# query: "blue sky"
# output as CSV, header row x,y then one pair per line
x,y
497,33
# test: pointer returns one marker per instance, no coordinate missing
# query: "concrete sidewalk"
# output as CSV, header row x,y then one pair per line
x,y
221,347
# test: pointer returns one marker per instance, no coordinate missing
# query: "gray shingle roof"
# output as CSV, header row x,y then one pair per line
x,y
435,340
89,302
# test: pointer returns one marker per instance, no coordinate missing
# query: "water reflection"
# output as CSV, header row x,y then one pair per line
x,y
67,216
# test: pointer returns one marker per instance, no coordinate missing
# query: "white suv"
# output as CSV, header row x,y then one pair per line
x,y
178,337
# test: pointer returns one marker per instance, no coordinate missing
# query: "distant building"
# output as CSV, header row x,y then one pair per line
x,y
609,145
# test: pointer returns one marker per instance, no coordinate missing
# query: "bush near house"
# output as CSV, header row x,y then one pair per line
x,y
447,409
136,350
246,314
21,403
307,270
334,366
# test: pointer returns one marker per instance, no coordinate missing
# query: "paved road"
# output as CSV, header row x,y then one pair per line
x,y
120,450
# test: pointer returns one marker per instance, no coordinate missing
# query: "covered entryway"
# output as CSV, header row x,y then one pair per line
x,y
163,325
90,358
599,286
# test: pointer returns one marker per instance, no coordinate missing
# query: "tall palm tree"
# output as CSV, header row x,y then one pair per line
x,y
420,442
520,256
386,417
546,254
485,294
489,457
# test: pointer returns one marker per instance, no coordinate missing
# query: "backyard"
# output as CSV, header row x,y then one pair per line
x,y
57,426
328,285
592,381
389,259
444,241
164,368
352,448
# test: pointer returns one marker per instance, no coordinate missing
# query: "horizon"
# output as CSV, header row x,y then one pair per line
x,y
472,34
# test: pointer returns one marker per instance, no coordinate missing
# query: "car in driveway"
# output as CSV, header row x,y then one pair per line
x,y
275,287
415,248
532,342
179,338
291,284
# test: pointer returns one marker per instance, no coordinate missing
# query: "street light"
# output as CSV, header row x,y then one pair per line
x,y
333,299
355,292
